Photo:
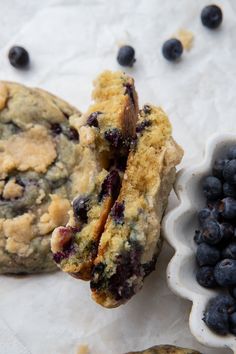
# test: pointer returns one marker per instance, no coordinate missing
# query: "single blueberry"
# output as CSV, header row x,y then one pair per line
x,y
212,188
228,208
198,237
229,190
205,277
217,313
18,57
207,255
229,172
211,16
232,153
211,233
92,120
81,208
218,168
172,49
225,272
229,251
232,323
126,55
227,231
206,214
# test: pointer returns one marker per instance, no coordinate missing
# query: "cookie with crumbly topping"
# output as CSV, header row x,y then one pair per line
x,y
166,349
39,155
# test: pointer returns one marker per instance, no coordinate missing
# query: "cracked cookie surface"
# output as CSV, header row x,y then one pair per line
x,y
166,349
39,153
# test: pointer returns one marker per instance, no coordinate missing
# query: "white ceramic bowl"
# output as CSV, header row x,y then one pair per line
x,y
179,226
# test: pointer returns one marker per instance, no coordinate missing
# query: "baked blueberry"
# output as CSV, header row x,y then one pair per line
x,y
172,49
117,212
92,120
81,207
232,323
217,313
207,255
205,277
232,153
212,188
229,190
110,185
225,272
114,137
229,172
218,167
228,208
230,251
211,232
126,55
18,57
211,16
198,237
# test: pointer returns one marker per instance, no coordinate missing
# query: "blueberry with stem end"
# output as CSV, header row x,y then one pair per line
x,y
225,272
211,16
205,277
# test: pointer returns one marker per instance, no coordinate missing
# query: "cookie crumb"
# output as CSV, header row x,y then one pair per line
x,y
83,349
186,38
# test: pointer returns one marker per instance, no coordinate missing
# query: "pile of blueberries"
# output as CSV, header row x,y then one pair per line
x,y
216,243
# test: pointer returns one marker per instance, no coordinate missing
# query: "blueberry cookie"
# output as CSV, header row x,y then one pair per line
x,y
39,155
166,349
106,133
130,243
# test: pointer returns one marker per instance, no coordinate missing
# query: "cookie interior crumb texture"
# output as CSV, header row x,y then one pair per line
x,y
39,156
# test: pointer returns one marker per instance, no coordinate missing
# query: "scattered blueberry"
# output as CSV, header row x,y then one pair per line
x,y
217,313
212,188
230,251
218,168
92,120
141,126
211,232
211,16
205,277
207,255
229,190
18,57
172,49
114,137
81,208
126,55
225,272
229,172
228,208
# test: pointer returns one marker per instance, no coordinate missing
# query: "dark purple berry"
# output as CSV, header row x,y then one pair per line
x,y
211,16
126,55
207,214
207,255
198,237
110,185
212,188
228,208
114,137
18,57
92,120
205,277
56,128
217,313
72,134
232,323
81,208
229,172
117,212
211,232
172,49
232,153
218,168
225,272
229,190
230,251
141,126
227,231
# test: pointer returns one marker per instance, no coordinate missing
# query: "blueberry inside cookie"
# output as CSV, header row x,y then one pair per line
x,y
39,153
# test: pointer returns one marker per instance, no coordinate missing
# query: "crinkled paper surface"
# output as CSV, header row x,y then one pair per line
x,y
70,42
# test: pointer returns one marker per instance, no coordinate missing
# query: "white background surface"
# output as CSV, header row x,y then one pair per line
x,y
70,42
